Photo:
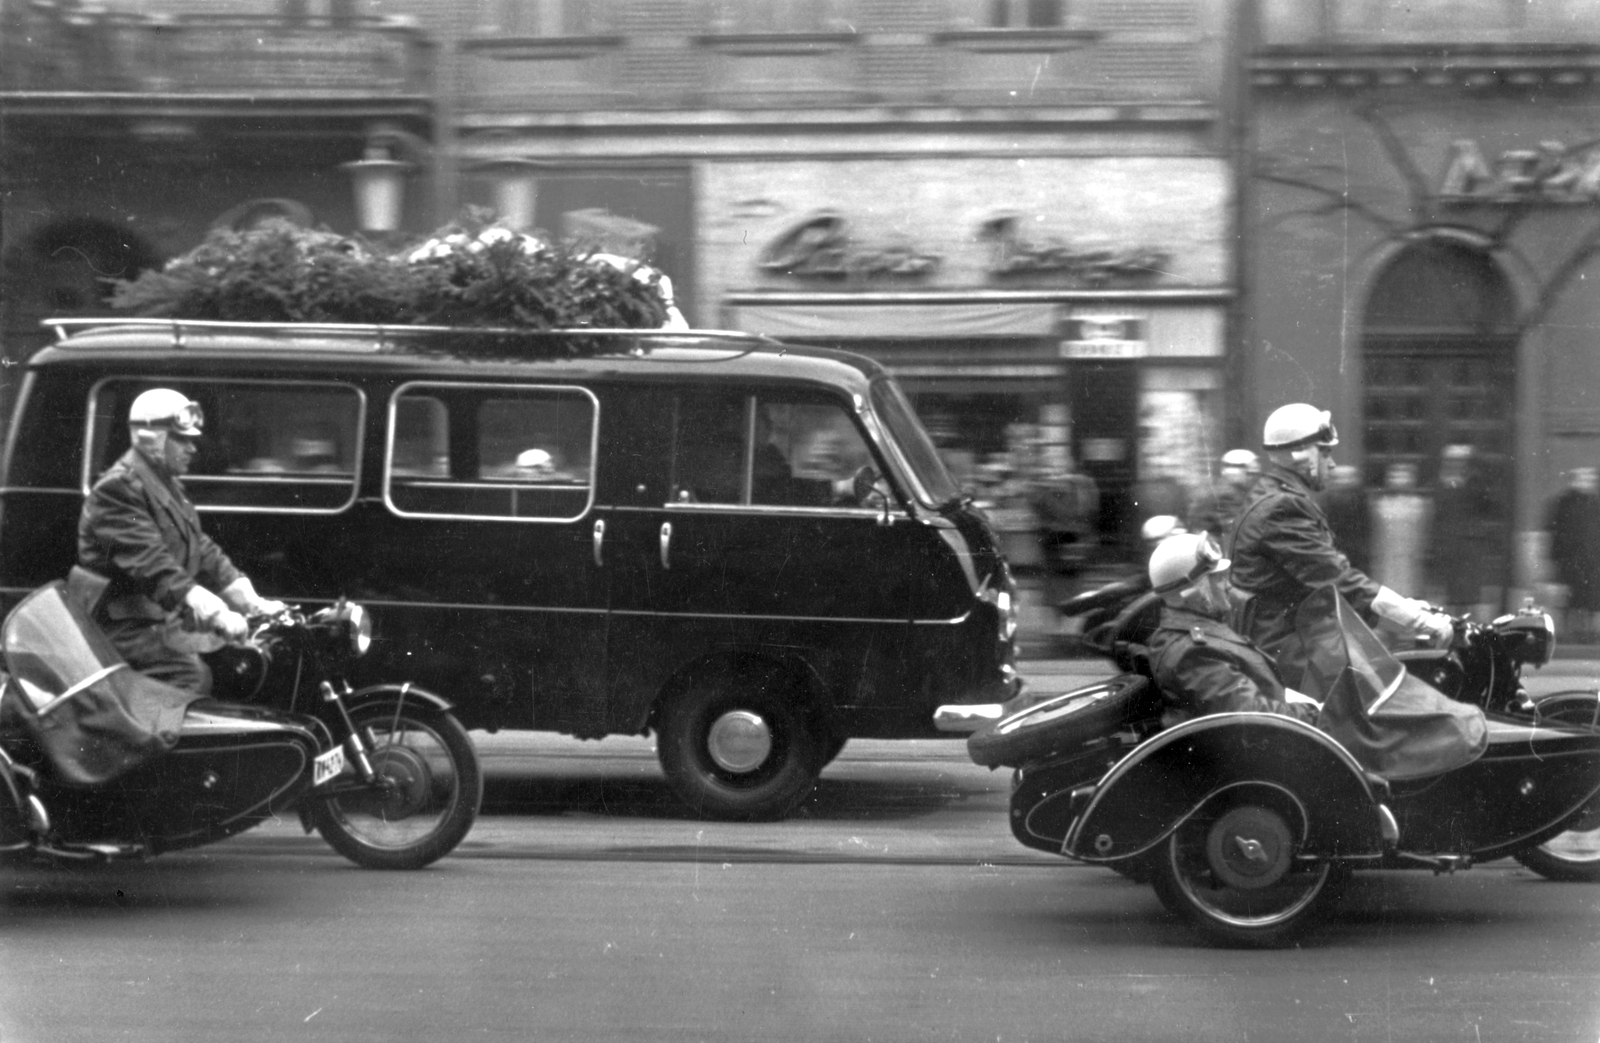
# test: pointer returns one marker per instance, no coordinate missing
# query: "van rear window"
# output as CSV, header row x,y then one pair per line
x,y
491,451
268,445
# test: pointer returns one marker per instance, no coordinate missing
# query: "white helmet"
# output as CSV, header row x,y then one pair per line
x,y
1159,527
1240,458
163,407
1297,425
1182,559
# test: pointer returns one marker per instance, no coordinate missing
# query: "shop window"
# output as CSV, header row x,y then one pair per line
x,y
491,452
267,446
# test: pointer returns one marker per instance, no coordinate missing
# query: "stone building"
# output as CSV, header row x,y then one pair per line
x,y
1422,215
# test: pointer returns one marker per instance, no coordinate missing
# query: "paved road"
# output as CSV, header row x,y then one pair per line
x,y
894,906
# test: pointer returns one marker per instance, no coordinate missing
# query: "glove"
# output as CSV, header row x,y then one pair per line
x,y
241,595
1438,626
1406,612
212,612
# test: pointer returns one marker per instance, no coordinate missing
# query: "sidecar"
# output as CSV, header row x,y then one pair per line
x,y
1247,823
106,761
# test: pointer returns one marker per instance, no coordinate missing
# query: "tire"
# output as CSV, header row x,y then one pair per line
x,y
1242,896
829,746
739,746
1573,856
1062,722
431,804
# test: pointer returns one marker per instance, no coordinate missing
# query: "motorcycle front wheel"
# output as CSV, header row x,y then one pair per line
x,y
1573,856
427,796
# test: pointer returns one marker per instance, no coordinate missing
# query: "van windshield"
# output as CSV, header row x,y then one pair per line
x,y
935,486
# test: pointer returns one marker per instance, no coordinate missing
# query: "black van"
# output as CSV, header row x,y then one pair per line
x,y
748,547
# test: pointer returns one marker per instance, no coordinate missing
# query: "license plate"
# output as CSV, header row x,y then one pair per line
x,y
327,766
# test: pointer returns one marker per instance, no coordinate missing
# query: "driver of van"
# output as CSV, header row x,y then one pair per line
x,y
139,531
1201,664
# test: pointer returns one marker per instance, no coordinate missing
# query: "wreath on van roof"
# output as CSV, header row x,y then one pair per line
x,y
473,275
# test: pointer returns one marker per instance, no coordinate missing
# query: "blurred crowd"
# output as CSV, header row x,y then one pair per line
x,y
1451,543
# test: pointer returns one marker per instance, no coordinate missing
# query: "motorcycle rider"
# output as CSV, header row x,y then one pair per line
x,y
1200,663
139,531
1282,546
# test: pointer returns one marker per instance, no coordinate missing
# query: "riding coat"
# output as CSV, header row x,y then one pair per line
x,y
140,531
1282,550
1204,666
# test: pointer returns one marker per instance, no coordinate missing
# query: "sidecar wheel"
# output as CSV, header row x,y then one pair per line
x,y
1573,856
1231,873
433,787
1062,722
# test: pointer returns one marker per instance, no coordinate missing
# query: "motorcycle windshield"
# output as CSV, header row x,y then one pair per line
x,y
1394,724
94,717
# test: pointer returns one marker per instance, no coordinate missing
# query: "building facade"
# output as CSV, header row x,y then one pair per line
x,y
1422,215
1023,207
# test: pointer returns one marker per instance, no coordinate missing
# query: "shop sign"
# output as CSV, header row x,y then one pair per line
x,y
819,247
1011,255
1103,337
1549,173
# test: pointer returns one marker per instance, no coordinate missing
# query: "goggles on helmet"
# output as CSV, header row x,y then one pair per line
x,y
1207,556
186,421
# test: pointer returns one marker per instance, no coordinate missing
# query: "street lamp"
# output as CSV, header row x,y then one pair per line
x,y
379,181
514,184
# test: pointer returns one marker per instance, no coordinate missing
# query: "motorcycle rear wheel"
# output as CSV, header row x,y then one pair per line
x,y
1573,856
1230,872
432,790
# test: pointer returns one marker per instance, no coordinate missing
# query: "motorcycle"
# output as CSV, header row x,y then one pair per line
x,y
98,761
1248,824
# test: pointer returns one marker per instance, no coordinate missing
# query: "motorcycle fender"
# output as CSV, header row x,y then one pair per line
x,y
1173,774
406,692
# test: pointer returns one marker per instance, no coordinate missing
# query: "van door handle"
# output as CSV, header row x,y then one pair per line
x,y
599,541
666,545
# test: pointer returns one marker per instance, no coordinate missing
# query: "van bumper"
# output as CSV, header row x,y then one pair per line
x,y
991,702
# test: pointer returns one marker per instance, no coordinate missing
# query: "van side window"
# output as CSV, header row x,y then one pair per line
x,y
768,450
267,446
485,451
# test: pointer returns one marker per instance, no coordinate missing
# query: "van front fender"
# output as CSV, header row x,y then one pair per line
x,y
1164,780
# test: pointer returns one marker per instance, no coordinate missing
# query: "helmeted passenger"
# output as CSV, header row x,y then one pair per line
x,y
1201,664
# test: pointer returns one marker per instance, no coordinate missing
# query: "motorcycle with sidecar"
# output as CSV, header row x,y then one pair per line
x,y
1248,824
98,761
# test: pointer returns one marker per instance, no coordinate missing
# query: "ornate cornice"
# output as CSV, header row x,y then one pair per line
x,y
1477,68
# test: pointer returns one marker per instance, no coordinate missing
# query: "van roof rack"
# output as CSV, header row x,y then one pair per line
x,y
375,337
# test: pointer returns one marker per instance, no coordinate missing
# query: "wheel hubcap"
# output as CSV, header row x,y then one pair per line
x,y
406,781
739,741
1249,848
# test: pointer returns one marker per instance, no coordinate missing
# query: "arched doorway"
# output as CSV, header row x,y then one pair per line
x,y
1439,361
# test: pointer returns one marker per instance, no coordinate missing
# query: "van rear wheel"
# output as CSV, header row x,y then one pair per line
x,y
739,746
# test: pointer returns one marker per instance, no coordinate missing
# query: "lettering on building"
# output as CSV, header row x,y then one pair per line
x,y
1103,337
1011,255
1550,173
820,247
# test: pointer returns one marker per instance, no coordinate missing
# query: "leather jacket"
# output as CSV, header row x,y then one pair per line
x,y
1282,549
140,531
1204,666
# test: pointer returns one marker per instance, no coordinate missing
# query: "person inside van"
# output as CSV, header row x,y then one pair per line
x,y
139,532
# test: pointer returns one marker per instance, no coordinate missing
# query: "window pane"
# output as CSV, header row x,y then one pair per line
x,y
266,446
519,452
709,448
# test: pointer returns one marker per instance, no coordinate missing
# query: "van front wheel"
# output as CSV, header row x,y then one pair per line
x,y
738,746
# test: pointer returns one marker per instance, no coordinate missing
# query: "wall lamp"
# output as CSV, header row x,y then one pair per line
x,y
514,185
379,179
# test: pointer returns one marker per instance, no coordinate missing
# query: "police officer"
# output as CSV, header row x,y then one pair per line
x,y
1201,664
1282,546
1216,510
139,531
